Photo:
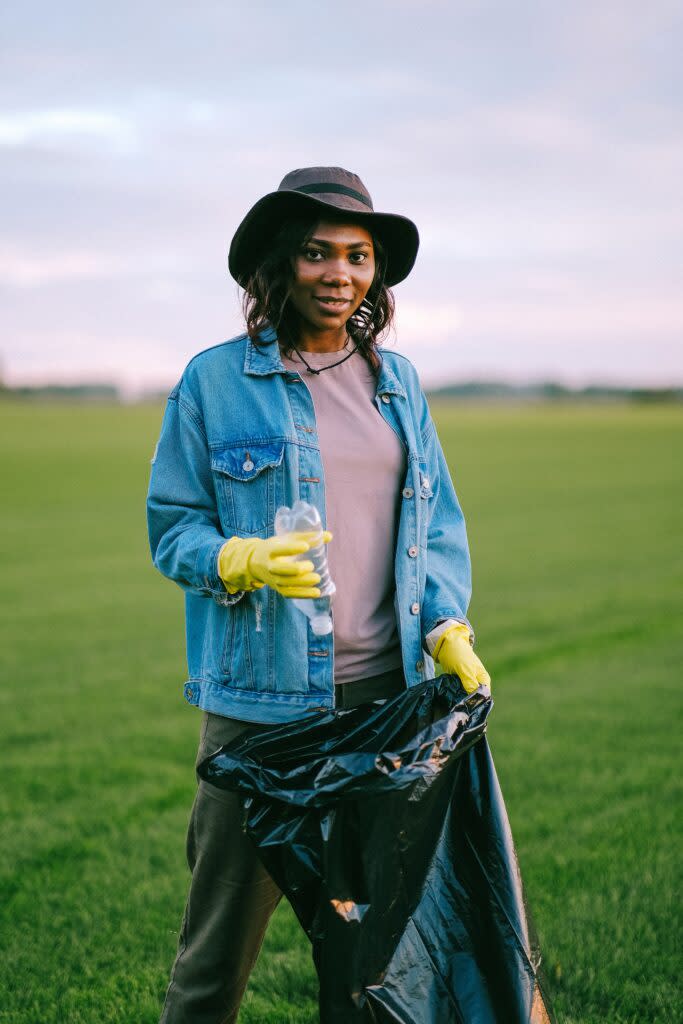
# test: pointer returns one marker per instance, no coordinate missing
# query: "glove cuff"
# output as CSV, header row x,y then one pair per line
x,y
462,629
233,565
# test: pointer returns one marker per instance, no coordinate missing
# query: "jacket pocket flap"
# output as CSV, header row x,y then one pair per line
x,y
247,461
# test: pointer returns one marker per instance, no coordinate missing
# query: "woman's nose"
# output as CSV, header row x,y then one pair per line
x,y
336,272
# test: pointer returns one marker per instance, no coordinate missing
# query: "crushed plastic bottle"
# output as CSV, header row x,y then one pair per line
x,y
304,517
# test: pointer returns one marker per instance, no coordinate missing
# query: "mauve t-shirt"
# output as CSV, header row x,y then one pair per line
x,y
364,464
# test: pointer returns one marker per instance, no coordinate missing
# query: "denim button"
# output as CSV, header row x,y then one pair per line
x,y
408,492
386,399
419,665
412,551
189,692
248,465
415,607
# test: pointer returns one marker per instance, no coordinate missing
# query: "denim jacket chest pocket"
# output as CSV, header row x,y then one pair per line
x,y
249,482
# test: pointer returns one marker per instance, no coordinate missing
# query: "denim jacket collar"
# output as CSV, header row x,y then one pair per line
x,y
260,360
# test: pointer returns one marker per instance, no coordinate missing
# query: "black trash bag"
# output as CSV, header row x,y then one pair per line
x,y
385,827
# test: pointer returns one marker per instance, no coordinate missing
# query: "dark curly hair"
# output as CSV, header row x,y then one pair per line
x,y
266,297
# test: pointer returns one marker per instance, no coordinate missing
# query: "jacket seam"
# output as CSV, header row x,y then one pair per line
x,y
427,434
220,344
194,416
215,446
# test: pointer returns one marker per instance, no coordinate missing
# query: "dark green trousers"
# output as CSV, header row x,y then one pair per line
x,y
231,894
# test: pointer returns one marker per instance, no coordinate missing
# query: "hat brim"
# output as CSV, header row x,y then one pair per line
x,y
398,234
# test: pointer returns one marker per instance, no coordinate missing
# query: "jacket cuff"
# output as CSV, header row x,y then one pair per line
x,y
432,638
211,584
221,593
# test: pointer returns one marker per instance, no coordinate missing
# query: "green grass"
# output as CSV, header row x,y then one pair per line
x,y
573,516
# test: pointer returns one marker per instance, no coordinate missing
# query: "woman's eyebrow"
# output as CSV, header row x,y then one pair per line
x,y
329,245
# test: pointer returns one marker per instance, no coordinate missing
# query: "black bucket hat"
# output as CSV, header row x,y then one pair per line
x,y
317,189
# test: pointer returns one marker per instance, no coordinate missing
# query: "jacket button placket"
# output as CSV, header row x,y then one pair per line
x,y
407,539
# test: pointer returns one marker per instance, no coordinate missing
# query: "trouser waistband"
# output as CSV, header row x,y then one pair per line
x,y
362,691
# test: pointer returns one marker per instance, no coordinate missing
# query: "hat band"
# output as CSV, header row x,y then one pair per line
x,y
330,186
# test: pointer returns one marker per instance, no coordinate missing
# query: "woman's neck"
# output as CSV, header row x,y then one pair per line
x,y
322,341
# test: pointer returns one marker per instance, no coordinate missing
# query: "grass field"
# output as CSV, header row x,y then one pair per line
x,y
574,522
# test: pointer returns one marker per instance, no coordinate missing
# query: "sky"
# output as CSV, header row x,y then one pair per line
x,y
537,146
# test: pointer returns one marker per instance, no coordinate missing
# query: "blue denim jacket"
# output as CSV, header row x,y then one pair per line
x,y
238,440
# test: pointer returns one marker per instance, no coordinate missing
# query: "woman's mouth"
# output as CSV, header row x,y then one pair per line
x,y
330,305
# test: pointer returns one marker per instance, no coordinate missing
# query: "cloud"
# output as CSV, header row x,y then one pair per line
x,y
537,147
66,128
29,269
440,321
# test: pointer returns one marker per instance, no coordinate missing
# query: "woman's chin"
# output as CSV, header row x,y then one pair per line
x,y
328,322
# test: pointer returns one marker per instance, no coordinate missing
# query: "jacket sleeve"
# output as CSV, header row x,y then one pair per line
x,y
448,585
182,518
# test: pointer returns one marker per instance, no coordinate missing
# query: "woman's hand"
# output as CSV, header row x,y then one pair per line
x,y
455,655
251,563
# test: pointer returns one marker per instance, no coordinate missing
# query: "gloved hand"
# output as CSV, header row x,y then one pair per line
x,y
454,654
248,563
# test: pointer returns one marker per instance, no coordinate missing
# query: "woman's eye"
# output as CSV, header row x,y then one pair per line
x,y
313,254
358,257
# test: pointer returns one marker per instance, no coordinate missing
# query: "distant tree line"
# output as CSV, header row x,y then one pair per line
x,y
70,392
551,391
475,389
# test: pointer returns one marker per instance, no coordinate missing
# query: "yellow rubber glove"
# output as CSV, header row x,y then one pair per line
x,y
248,563
454,654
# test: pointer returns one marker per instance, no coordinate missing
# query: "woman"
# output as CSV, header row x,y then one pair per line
x,y
303,405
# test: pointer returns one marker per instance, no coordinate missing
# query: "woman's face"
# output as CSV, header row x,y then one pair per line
x,y
333,272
